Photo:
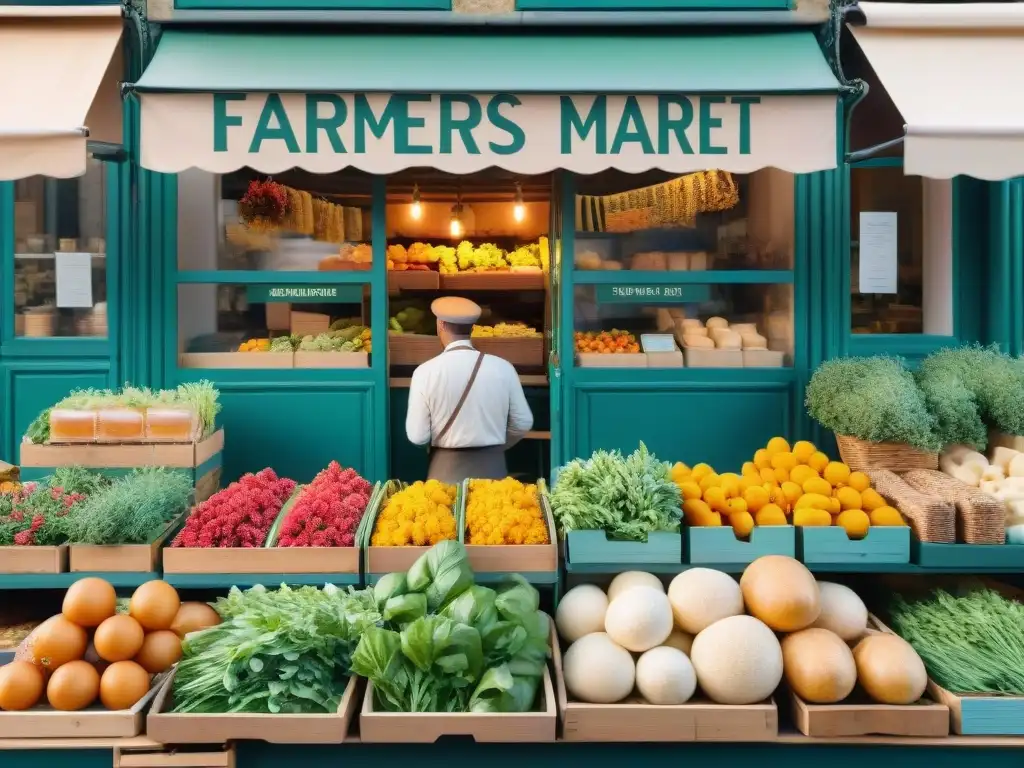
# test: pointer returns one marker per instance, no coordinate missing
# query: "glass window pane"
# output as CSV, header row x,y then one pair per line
x,y
254,326
294,221
60,255
700,221
918,293
483,236
717,325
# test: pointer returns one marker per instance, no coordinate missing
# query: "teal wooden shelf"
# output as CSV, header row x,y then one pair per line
x,y
246,580
65,580
611,569
662,277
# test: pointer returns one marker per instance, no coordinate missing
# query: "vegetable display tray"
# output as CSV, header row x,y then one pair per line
x,y
516,350
494,281
332,359
831,545
924,718
595,548
154,756
511,558
412,348
96,722
236,360
280,560
413,280
120,558
968,557
637,721
718,545
975,714
126,456
608,360
166,727
34,559
427,727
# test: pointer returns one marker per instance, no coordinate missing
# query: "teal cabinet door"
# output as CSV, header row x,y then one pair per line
x,y
32,387
720,427
296,431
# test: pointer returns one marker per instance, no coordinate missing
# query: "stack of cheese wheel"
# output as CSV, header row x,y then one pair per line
x,y
718,334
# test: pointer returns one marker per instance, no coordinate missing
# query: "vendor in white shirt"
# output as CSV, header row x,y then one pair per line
x,y
467,406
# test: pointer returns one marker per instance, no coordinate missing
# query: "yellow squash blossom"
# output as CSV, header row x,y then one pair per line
x,y
417,516
504,512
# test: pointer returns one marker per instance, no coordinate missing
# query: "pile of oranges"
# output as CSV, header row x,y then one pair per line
x,y
255,345
606,342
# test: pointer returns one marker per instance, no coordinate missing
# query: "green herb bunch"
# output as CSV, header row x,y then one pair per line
x,y
972,643
281,651
133,510
628,497
874,399
945,386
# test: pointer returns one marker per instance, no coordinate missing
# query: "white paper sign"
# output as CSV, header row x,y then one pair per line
x,y
74,280
878,257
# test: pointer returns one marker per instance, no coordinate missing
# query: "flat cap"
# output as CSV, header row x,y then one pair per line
x,y
454,309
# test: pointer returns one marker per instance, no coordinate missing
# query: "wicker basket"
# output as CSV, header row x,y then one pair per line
x,y
861,455
931,519
980,518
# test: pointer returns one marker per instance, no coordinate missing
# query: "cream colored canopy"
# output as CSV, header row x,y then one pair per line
x,y
61,68
954,72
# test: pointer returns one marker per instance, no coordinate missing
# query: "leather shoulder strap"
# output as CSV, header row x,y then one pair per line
x,y
462,399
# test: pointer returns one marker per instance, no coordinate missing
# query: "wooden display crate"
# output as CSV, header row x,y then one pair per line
x,y
381,560
167,727
413,280
636,721
611,360
595,548
511,558
974,714
332,359
719,546
157,756
236,360
34,559
412,348
377,727
516,350
713,358
924,718
673,359
830,545
494,281
114,558
95,722
309,323
763,358
201,461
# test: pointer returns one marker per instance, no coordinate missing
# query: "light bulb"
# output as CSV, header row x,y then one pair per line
x,y
416,209
456,227
519,212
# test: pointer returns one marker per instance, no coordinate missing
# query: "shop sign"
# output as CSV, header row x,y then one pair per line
x,y
460,133
304,294
652,294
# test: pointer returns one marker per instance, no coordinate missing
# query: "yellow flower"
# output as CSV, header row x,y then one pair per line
x,y
419,515
504,512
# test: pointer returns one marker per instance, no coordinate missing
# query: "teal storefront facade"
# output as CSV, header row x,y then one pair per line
x,y
297,420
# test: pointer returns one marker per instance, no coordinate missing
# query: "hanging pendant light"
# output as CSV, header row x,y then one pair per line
x,y
416,209
519,207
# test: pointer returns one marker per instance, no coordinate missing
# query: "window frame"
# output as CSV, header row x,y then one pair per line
x,y
911,345
116,169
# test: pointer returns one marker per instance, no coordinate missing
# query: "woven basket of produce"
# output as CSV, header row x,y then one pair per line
x,y
931,518
862,455
980,518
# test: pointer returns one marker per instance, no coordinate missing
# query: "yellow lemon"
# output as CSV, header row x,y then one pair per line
x,y
801,473
817,485
836,473
872,499
808,517
855,522
886,516
714,497
803,450
771,514
709,481
756,498
690,490
742,524
700,470
818,461
792,491
859,481
777,445
749,468
848,498
762,459
786,461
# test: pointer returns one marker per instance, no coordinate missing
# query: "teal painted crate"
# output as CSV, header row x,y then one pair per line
x,y
718,545
968,557
883,544
594,547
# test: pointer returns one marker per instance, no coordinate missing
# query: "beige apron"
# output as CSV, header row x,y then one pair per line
x,y
453,465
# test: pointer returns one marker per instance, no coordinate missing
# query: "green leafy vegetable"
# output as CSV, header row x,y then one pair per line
x,y
626,497
442,573
972,643
874,399
133,510
287,651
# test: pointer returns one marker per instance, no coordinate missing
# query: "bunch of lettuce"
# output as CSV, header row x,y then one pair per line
x,y
448,645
